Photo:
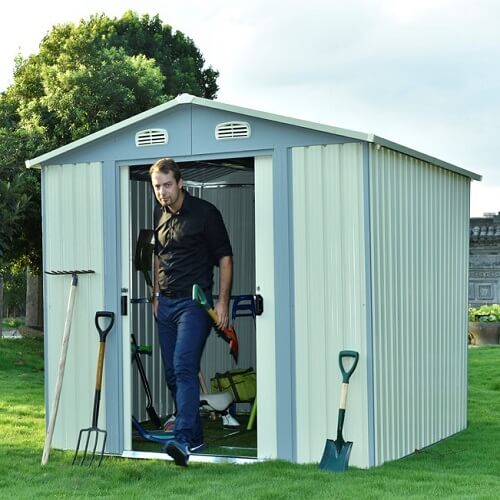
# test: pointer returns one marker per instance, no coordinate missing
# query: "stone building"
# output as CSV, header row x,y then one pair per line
x,y
484,260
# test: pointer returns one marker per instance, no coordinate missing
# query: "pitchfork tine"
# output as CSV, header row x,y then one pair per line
x,y
103,447
77,447
86,449
95,447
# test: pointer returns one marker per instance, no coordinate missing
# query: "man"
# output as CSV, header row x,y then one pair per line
x,y
190,238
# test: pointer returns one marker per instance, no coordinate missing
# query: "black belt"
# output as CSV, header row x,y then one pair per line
x,y
180,294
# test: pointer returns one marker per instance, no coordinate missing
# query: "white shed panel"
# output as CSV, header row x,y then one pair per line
x,y
72,211
419,227
329,226
267,432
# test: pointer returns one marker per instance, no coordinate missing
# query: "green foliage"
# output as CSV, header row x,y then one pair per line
x,y
86,96
12,323
12,202
101,71
86,77
14,291
175,53
485,313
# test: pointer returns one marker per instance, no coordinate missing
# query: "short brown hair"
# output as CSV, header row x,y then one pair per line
x,y
165,166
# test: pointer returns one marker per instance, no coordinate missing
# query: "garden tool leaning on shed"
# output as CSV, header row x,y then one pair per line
x,y
62,358
94,430
336,453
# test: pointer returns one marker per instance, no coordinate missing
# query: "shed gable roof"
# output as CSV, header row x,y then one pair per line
x,y
199,101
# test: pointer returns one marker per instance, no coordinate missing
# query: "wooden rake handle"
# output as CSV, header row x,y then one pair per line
x,y
60,371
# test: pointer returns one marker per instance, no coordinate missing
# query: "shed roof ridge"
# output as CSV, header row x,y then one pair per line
x,y
186,98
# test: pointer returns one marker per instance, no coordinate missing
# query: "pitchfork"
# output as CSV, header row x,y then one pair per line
x,y
94,430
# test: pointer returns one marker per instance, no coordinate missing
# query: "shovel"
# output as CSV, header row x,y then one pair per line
x,y
137,350
228,334
336,454
94,430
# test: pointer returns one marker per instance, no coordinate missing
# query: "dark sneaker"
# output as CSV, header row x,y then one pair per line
x,y
178,451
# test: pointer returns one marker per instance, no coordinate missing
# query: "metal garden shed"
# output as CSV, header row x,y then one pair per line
x,y
353,241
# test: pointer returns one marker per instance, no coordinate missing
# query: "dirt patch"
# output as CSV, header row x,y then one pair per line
x,y
26,331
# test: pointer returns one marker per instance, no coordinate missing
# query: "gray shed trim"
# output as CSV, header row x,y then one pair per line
x,y
112,266
283,310
199,101
369,307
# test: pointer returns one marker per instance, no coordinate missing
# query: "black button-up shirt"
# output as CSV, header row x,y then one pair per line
x,y
189,243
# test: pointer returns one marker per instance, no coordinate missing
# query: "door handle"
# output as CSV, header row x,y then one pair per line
x,y
124,305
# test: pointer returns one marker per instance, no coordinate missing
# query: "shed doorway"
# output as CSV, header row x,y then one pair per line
x,y
230,184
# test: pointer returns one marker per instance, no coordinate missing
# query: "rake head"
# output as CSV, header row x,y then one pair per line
x,y
95,434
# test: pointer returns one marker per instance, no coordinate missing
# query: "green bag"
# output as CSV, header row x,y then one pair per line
x,y
242,383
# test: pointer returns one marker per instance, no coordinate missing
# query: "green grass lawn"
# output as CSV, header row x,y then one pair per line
x,y
464,466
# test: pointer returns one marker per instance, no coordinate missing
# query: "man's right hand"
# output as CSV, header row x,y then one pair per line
x,y
154,303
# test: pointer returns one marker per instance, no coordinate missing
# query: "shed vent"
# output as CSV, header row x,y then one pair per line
x,y
152,137
232,130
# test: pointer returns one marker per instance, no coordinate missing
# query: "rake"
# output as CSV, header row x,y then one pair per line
x,y
62,359
94,432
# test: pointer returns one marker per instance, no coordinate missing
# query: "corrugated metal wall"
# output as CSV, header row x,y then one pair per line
x,y
72,225
330,295
142,321
236,203
419,228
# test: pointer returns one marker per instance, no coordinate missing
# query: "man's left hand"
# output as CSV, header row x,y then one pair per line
x,y
222,311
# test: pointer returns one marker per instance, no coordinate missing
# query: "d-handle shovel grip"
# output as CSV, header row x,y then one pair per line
x,y
104,314
199,297
346,374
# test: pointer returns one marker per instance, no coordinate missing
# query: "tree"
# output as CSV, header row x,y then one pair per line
x,y
89,76
85,78
175,53
11,203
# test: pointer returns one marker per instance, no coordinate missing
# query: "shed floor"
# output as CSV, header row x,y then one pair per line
x,y
218,441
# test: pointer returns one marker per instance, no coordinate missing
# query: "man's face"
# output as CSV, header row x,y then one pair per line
x,y
167,189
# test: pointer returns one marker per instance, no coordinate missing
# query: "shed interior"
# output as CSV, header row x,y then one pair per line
x,y
229,185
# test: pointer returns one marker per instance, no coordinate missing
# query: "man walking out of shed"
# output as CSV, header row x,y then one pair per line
x,y
190,238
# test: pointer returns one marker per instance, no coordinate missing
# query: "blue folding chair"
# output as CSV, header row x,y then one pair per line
x,y
243,305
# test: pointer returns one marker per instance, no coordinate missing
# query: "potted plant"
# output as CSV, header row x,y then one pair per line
x,y
484,324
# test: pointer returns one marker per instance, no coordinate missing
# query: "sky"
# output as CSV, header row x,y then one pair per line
x,y
421,73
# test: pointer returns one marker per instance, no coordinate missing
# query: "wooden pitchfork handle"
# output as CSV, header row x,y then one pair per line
x,y
100,359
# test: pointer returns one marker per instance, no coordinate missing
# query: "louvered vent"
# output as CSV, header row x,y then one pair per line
x,y
232,130
152,137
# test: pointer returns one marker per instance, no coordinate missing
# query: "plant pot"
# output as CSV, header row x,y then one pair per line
x,y
483,333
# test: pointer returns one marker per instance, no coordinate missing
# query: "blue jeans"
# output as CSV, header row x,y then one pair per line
x,y
183,329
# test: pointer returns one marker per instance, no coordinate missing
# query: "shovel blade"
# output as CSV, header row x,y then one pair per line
x,y
336,455
230,333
